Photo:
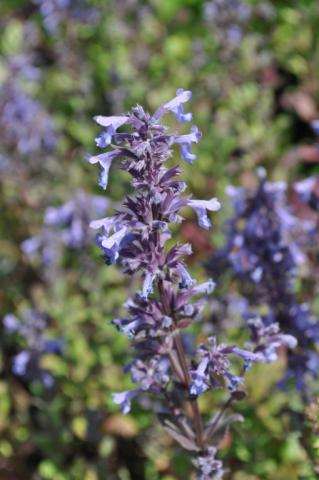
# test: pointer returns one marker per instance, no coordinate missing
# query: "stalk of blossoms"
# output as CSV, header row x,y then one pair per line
x,y
264,248
136,237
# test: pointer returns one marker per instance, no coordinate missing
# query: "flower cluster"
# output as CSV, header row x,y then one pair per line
x,y
27,363
66,226
264,248
208,467
228,18
26,127
136,237
54,12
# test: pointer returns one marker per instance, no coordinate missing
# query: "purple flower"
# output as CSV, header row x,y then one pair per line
x,y
111,124
268,339
200,207
111,245
10,322
208,467
105,161
148,284
65,226
123,399
186,141
206,287
264,250
31,328
214,365
152,375
175,106
186,280
20,362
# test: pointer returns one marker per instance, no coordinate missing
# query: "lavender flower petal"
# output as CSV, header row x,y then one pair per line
x,y
200,207
123,399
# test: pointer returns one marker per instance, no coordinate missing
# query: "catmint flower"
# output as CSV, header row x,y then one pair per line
x,y
208,467
200,207
105,161
10,323
111,124
264,249
214,365
267,339
175,106
124,399
166,301
20,362
186,141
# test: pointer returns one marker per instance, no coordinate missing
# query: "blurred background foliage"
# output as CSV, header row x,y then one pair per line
x,y
253,69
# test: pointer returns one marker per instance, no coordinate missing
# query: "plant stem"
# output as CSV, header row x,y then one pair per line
x,y
193,402
184,368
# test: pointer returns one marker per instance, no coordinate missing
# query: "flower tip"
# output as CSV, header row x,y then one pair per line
x,y
261,173
290,341
187,94
99,119
214,205
211,285
95,224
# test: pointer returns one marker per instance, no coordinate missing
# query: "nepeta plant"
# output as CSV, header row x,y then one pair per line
x,y
136,236
31,328
264,248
